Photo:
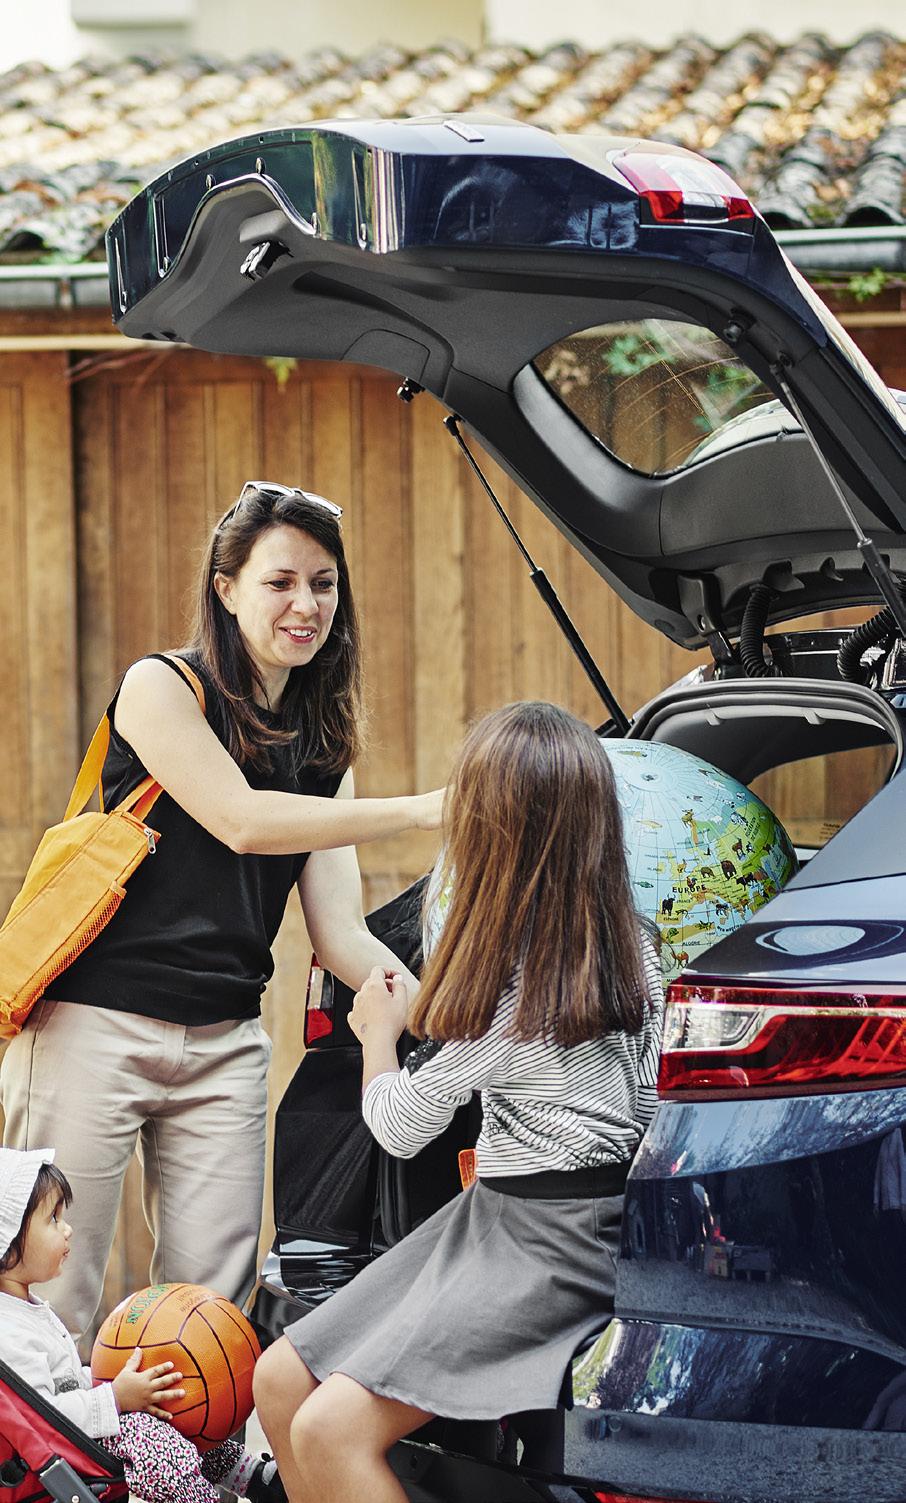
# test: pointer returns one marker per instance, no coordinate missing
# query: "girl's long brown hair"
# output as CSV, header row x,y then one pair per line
x,y
534,855
321,704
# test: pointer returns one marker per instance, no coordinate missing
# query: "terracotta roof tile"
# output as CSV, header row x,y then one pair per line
x,y
815,133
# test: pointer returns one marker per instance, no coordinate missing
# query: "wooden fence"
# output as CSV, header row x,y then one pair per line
x,y
108,485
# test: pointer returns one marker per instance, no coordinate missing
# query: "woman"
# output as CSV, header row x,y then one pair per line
x,y
544,995
152,1036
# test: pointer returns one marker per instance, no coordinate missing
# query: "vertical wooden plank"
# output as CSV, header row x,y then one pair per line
x,y
286,432
138,459
334,457
384,588
14,738
94,458
236,447
541,667
438,687
189,500
335,441
46,496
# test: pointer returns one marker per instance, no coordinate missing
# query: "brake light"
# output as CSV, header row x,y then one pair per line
x,y
725,1041
318,1004
679,187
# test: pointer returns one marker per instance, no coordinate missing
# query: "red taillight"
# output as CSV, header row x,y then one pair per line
x,y
722,1041
318,1004
678,187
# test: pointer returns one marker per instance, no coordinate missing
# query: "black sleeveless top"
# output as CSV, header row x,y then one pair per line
x,y
191,942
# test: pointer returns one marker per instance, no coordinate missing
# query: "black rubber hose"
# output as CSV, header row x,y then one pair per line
x,y
869,634
751,633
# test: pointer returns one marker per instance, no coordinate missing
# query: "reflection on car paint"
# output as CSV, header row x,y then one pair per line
x,y
813,1244
720,1136
687,1372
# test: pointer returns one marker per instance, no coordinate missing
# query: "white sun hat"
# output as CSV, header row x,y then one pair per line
x,y
19,1170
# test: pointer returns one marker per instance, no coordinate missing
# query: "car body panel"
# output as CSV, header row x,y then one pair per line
x,y
805,1243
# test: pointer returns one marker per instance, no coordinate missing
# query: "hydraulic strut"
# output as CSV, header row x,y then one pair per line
x,y
546,591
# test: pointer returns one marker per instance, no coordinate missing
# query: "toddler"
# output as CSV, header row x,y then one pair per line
x,y
126,1416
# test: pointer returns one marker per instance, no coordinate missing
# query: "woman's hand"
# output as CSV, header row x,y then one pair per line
x,y
380,1008
428,809
137,1392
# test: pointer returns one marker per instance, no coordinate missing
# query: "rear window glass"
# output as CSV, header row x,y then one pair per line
x,y
652,391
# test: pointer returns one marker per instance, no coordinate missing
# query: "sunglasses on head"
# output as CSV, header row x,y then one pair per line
x,y
274,492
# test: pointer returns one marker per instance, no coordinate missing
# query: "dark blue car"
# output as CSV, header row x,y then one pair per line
x,y
618,326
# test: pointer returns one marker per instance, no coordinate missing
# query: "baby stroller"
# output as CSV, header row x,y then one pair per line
x,y
43,1456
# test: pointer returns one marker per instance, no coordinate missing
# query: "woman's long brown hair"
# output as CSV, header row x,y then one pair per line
x,y
534,855
321,704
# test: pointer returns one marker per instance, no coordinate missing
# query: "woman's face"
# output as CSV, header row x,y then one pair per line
x,y
284,599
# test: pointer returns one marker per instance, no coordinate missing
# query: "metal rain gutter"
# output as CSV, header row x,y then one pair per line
x,y
846,249
56,284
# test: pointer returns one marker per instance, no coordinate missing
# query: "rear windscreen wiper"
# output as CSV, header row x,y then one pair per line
x,y
546,591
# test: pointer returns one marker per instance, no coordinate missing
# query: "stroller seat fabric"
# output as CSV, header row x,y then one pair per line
x,y
43,1456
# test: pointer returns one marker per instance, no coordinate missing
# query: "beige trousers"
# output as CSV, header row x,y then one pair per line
x,y
95,1085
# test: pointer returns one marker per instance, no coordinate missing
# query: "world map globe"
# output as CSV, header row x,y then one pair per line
x,y
704,852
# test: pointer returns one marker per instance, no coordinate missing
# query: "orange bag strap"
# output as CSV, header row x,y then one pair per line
x,y
143,798
89,774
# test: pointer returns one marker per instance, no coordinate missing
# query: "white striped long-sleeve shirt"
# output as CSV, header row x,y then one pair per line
x,y
545,1106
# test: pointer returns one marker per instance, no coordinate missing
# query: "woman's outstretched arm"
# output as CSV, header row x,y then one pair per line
x,y
158,715
331,891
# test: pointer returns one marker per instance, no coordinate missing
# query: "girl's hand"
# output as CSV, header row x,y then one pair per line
x,y
137,1392
381,1007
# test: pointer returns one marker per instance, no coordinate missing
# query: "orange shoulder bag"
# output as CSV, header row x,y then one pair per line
x,y
76,880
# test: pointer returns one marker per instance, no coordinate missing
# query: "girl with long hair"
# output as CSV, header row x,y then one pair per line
x,y
544,994
152,1036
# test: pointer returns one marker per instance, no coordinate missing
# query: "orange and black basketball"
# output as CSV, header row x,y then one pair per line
x,y
206,1338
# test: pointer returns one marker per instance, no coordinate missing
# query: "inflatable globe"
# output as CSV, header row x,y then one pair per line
x,y
704,852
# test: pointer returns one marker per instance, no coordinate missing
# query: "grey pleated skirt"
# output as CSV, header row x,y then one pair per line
x,y
478,1312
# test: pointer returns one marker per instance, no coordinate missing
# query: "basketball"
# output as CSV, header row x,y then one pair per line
x,y
206,1338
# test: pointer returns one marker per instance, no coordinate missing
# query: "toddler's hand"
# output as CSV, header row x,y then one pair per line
x,y
142,1392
